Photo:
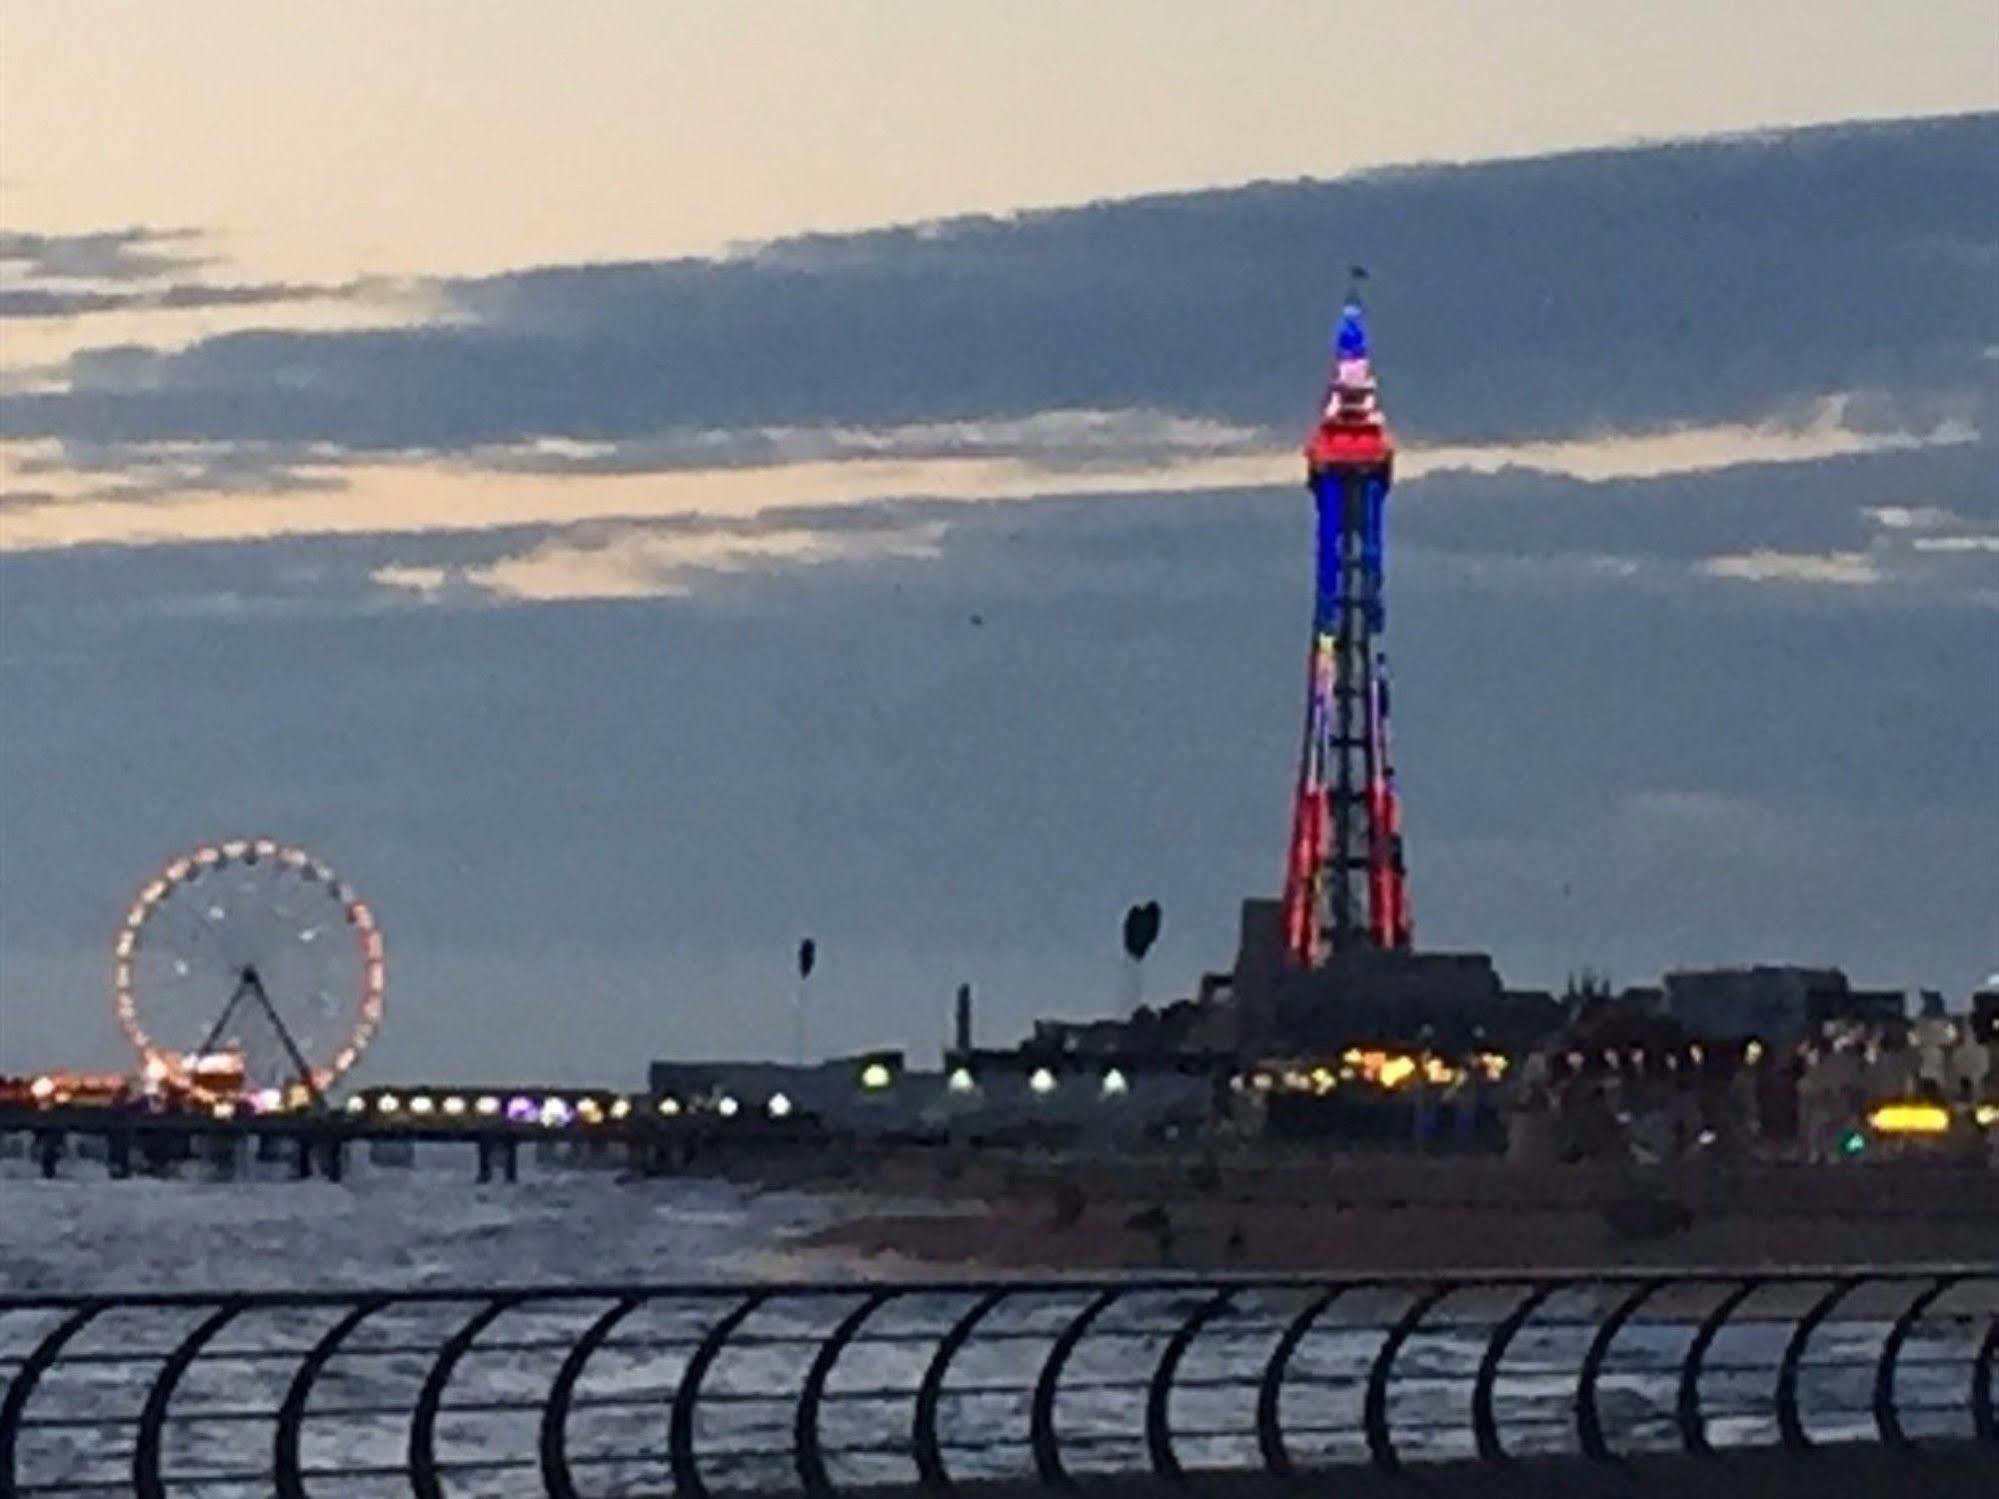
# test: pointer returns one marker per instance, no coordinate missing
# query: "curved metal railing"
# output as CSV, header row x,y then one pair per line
x,y
825,1389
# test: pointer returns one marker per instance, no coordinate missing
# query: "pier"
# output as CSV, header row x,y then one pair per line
x,y
319,1144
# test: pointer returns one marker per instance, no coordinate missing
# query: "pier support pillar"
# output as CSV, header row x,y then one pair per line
x,y
302,1158
49,1147
333,1158
118,1154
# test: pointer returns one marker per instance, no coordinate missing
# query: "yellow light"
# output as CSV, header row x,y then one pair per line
x,y
1043,1081
1324,1080
590,1111
1986,1115
1910,1119
876,1076
224,1110
1395,1071
454,1105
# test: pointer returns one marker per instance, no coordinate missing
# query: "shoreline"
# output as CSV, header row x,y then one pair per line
x,y
991,1211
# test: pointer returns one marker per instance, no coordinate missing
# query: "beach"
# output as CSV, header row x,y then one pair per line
x,y
1355,1214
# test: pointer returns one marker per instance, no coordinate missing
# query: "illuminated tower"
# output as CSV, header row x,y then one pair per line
x,y
1344,884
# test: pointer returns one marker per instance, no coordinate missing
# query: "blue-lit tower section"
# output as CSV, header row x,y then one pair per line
x,y
1345,885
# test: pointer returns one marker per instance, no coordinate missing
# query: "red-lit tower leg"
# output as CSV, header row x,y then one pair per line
x,y
1344,881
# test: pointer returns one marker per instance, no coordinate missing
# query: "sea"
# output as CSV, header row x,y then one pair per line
x,y
427,1226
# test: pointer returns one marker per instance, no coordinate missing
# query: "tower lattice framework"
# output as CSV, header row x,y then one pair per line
x,y
1345,882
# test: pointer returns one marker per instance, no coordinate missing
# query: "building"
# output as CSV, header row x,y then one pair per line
x,y
1773,1002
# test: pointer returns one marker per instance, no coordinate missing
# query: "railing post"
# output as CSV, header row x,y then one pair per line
x,y
554,1438
146,1481
805,1428
1687,1407
37,1363
285,1473
930,1469
1041,1420
1983,1421
1589,1421
1790,1426
1270,1389
1374,1415
680,1425
1158,1418
424,1481
1887,1419
1485,1430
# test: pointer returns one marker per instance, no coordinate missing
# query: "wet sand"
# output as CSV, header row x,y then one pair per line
x,y
1001,1212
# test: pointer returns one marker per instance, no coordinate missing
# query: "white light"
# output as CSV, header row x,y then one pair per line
x,y
620,1108
960,1080
726,1106
422,1104
1043,1081
1115,1084
357,1105
487,1105
225,1110
876,1076
779,1106
268,1100
668,1107
388,1103
43,1087
454,1105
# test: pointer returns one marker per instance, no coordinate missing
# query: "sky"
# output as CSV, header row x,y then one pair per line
x,y
631,485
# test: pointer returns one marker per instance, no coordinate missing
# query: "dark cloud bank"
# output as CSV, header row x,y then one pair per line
x,y
595,830
1683,283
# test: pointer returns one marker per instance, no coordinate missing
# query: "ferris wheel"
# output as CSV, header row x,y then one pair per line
x,y
253,951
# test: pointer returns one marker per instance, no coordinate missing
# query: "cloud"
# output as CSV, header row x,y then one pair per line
x,y
1694,285
1910,517
131,254
637,562
49,302
223,491
1845,569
